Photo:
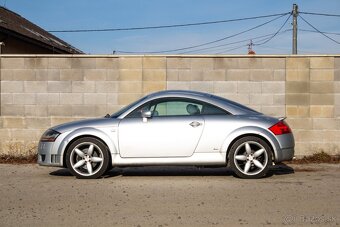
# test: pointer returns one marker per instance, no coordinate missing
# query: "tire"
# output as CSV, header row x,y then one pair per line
x,y
87,158
250,157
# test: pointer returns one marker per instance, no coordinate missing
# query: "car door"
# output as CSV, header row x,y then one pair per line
x,y
173,130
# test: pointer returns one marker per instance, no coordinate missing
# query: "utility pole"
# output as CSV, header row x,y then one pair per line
x,y
295,13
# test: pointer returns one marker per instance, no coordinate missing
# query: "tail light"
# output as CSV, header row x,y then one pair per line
x,y
280,128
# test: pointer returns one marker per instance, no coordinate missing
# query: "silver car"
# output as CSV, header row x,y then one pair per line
x,y
170,128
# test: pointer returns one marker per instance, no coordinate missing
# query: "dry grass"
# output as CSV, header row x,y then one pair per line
x,y
318,157
18,152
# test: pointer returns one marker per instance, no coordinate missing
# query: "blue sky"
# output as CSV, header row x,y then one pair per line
x,y
89,14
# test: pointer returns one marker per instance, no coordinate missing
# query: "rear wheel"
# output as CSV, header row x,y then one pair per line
x,y
87,158
250,157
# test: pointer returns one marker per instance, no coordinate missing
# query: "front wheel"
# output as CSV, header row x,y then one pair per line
x,y
87,158
250,157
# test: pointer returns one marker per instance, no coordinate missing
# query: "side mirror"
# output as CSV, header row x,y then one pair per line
x,y
146,114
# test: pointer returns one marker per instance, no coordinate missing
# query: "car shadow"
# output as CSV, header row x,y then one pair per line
x,y
278,169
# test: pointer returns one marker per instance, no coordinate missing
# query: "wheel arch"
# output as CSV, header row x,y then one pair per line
x,y
251,131
86,132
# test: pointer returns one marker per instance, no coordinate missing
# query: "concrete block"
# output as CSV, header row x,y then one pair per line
x,y
84,110
130,87
279,99
275,111
337,62
12,86
71,98
95,74
12,63
100,110
24,98
35,86
154,75
83,63
274,63
41,63
172,75
178,62
48,98
84,86
240,98
337,74
5,134
6,98
72,74
322,99
297,74
154,63
202,63
38,123
261,75
130,63
225,87
130,75
29,63
107,63
127,98
59,110
273,87
279,75
59,63
6,74
261,99
186,75
322,62
326,123
52,74
297,99
297,63
23,74
249,87
61,120
112,74
14,122
204,86
177,85
321,111
238,74
297,111
59,86
226,63
95,98
36,110
336,87
106,86
214,75
322,87
12,110
300,123
322,74
150,87
297,87
112,99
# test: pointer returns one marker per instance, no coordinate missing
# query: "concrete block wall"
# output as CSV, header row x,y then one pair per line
x,y
41,91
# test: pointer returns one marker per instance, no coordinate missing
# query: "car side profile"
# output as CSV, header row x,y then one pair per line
x,y
170,128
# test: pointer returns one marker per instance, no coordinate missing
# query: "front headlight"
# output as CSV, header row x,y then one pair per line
x,y
49,136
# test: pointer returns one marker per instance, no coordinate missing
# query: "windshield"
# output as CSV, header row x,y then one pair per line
x,y
121,111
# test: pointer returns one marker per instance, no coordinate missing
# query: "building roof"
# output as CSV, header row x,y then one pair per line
x,y
13,24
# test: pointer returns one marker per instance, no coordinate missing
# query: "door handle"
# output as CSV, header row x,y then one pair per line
x,y
195,124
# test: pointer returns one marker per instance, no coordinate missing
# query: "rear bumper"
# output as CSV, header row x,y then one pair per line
x,y
286,150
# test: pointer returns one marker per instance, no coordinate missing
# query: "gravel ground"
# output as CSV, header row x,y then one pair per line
x,y
31,195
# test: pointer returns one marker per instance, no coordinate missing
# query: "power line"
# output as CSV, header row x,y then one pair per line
x,y
330,33
319,30
203,44
262,37
321,14
228,50
270,38
165,26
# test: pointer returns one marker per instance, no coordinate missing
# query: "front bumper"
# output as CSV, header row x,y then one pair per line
x,y
47,154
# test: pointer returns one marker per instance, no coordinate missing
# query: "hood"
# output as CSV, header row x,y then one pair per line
x,y
93,123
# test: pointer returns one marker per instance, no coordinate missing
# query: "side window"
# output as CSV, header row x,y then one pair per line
x,y
209,109
176,108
